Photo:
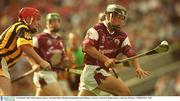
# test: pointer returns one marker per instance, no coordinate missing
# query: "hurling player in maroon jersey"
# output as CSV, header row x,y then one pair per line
x,y
50,46
102,43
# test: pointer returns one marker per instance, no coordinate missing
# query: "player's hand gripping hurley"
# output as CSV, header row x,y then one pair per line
x,y
163,47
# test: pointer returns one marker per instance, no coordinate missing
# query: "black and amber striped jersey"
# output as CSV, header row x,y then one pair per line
x,y
16,35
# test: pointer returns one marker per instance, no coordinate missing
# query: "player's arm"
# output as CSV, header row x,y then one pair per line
x,y
140,73
24,42
89,43
129,52
30,53
93,52
34,65
135,63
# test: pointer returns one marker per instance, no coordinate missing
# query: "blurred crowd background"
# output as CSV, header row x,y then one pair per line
x,y
149,22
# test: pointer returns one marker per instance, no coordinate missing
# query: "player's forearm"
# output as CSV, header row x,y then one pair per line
x,y
135,64
30,52
30,60
92,51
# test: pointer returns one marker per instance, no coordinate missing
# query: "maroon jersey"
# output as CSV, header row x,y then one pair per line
x,y
50,47
109,44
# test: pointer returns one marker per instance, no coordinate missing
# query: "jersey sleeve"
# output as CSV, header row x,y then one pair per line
x,y
91,38
35,42
127,49
38,44
24,37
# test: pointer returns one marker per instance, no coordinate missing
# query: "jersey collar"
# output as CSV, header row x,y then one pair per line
x,y
105,23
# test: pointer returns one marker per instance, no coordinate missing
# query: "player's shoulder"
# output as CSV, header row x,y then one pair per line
x,y
41,35
21,26
122,33
99,26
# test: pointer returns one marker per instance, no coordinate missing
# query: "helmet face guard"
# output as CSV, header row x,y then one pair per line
x,y
52,16
49,19
118,10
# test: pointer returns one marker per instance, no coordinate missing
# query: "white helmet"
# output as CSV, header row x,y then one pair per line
x,y
116,8
120,10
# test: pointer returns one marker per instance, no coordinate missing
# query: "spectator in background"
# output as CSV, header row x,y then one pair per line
x,y
168,85
177,85
76,55
164,86
175,19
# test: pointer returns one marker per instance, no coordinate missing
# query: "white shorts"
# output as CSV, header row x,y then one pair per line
x,y
4,70
65,87
42,78
90,78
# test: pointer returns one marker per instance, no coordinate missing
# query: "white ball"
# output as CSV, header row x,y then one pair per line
x,y
164,43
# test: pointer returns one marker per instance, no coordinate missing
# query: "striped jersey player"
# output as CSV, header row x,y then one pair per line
x,y
16,40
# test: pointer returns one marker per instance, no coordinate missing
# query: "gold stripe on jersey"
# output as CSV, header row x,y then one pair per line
x,y
13,55
11,63
22,41
6,38
11,47
21,26
13,44
7,33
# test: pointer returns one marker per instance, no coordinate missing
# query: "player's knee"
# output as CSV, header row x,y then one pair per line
x,y
124,92
55,93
